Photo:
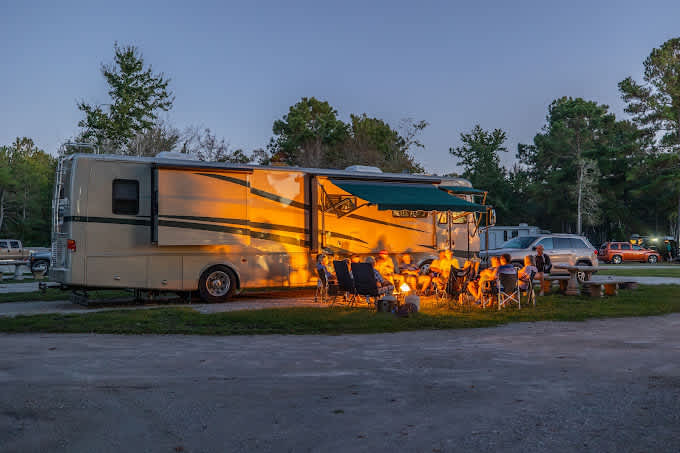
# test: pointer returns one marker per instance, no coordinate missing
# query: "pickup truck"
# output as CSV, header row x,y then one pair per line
x,y
13,250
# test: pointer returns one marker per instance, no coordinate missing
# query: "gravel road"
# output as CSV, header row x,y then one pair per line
x,y
603,385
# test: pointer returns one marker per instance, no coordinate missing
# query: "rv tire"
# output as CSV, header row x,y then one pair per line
x,y
217,284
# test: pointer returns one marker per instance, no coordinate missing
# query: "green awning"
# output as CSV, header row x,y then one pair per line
x,y
401,195
461,189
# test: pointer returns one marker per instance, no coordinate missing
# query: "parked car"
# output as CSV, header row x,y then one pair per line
x,y
618,252
40,261
561,248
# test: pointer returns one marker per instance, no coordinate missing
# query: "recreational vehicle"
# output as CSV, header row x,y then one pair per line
x,y
499,235
165,224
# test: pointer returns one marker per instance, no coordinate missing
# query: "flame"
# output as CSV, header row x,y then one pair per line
x,y
404,288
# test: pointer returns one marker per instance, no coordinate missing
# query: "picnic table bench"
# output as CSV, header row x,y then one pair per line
x,y
563,280
18,274
607,285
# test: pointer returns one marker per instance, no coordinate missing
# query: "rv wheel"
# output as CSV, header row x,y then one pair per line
x,y
217,284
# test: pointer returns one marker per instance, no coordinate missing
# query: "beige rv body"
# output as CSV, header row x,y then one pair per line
x,y
265,223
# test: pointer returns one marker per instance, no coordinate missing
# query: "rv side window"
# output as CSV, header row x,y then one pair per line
x,y
3,245
125,196
14,244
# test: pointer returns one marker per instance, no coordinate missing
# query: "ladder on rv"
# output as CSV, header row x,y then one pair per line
x,y
58,206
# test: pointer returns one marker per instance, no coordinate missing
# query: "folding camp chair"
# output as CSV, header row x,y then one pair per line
x,y
345,281
365,282
529,290
508,289
454,286
324,288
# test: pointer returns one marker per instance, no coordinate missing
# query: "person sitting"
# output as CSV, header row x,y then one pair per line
x,y
322,267
441,267
476,288
409,271
524,274
384,286
385,266
506,267
543,265
471,269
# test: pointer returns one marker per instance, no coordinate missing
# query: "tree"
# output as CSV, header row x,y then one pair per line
x,y
479,158
305,134
207,147
137,95
655,107
565,160
311,135
373,142
26,175
160,137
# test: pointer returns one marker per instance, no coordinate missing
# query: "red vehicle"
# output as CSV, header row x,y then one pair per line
x,y
618,252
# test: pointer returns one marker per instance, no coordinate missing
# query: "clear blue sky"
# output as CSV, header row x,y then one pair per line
x,y
238,66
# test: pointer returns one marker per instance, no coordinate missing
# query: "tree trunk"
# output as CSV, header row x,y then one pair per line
x,y
580,164
2,207
677,228
579,196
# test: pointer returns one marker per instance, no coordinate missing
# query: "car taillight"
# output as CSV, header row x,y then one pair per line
x,y
71,245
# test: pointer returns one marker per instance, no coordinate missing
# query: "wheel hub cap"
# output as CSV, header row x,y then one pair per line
x,y
218,283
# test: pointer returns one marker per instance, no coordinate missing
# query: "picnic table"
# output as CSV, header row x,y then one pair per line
x,y
572,285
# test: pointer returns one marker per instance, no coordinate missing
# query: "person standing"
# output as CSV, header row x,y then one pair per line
x,y
543,265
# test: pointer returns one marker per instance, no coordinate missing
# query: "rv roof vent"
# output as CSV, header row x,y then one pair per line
x,y
176,155
363,169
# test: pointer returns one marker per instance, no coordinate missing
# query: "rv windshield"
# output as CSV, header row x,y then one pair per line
x,y
521,242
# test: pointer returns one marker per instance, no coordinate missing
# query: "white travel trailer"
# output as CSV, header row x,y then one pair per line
x,y
499,235
182,225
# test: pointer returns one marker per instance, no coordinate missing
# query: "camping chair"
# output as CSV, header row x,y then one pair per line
x,y
490,290
365,282
529,290
455,285
508,289
464,277
345,281
324,288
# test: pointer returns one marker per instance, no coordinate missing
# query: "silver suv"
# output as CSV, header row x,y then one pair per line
x,y
561,248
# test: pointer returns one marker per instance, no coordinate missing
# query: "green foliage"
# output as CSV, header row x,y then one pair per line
x,y
564,160
26,179
311,135
479,157
655,104
137,95
305,135
655,108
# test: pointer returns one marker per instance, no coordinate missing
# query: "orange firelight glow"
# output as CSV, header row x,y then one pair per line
x,y
404,288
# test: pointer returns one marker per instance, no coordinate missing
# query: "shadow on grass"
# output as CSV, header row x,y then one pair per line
x,y
646,301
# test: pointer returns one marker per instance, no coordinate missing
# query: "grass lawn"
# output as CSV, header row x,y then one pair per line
x,y
645,301
57,294
649,271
